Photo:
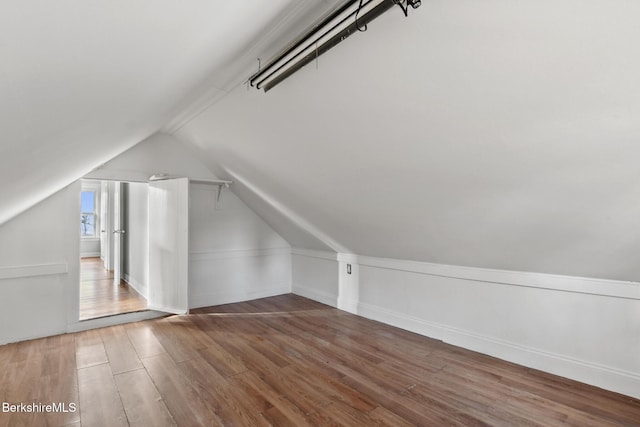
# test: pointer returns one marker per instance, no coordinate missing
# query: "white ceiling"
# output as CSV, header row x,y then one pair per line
x,y
497,134
83,80
501,134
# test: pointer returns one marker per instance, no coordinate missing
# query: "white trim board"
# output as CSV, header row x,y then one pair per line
x,y
18,271
602,287
90,255
609,378
237,253
312,253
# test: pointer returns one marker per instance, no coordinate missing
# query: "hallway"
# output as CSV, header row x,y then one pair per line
x,y
98,295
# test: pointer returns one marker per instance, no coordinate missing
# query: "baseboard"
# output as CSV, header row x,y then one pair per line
x,y
90,255
228,297
319,296
604,377
137,286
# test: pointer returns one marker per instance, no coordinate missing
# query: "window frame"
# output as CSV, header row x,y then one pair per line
x,y
88,188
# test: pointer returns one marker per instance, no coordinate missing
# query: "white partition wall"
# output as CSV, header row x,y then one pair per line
x,y
169,245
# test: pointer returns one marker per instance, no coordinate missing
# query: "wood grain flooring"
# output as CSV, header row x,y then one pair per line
x,y
99,297
286,361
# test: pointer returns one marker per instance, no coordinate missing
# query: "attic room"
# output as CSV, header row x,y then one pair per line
x,y
432,222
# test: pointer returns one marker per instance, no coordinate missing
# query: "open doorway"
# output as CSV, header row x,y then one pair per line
x,y
113,248
138,259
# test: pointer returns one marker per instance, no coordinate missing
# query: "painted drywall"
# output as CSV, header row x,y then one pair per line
x,y
579,328
39,259
315,275
491,134
234,255
84,81
135,262
90,247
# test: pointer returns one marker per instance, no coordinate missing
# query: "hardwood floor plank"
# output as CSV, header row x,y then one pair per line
x,y
387,417
99,297
141,400
223,362
100,403
59,380
143,339
24,372
184,402
231,404
180,337
90,349
216,391
120,352
287,360
290,412
332,389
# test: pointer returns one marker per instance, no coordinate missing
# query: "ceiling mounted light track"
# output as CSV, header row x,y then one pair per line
x,y
350,18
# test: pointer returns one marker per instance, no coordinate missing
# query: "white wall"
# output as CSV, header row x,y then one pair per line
x,y
136,248
315,275
234,255
39,260
579,328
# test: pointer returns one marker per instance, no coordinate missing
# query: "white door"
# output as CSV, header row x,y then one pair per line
x,y
104,224
117,233
169,245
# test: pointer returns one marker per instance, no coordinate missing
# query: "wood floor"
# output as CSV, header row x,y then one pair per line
x,y
286,361
98,295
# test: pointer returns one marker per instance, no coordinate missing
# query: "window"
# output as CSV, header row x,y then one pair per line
x,y
88,214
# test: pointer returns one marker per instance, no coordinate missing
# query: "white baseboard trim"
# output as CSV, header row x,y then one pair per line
x,y
228,297
19,271
139,287
608,378
319,296
90,255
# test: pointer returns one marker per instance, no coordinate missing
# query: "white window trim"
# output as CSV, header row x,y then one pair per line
x,y
95,188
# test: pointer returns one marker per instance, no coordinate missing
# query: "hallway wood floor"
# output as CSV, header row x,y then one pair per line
x,y
99,297
286,361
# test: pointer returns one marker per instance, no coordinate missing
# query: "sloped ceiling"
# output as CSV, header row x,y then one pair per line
x,y
500,134
83,80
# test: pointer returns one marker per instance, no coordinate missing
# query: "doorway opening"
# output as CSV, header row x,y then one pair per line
x,y
100,297
134,247
113,248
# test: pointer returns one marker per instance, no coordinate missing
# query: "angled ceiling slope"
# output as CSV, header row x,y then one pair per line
x,y
492,134
83,80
